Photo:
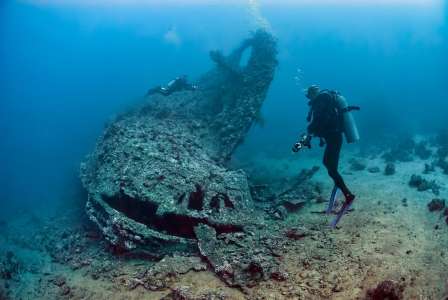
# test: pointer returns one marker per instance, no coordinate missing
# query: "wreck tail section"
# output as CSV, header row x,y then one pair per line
x,y
245,90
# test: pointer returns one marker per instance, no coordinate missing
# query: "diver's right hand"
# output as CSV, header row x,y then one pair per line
x,y
296,147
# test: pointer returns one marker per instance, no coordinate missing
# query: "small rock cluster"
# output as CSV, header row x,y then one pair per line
x,y
389,169
439,205
162,275
374,169
403,151
421,184
357,165
407,149
436,204
61,283
387,289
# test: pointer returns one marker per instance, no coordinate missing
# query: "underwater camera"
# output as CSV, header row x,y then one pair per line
x,y
305,141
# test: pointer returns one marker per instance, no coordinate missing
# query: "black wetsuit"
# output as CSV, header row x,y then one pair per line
x,y
326,122
178,84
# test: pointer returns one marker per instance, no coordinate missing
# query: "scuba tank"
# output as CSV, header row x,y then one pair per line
x,y
348,121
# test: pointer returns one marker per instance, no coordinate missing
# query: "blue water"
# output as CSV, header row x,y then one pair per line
x,y
65,69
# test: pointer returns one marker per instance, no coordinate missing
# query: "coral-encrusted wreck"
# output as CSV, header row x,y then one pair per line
x,y
160,170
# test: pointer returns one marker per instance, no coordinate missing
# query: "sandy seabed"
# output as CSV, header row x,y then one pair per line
x,y
384,238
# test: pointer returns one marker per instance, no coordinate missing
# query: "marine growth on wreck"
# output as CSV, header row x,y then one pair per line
x,y
160,170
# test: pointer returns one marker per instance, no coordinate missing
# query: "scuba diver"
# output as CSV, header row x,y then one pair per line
x,y
329,118
178,84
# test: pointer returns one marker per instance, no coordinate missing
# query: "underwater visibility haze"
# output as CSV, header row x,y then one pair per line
x,y
224,149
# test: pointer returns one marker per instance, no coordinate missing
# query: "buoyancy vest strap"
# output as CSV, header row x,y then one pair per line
x,y
350,108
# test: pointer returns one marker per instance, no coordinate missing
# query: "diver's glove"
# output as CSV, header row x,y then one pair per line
x,y
305,141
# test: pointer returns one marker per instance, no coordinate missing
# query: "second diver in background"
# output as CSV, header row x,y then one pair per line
x,y
178,84
329,118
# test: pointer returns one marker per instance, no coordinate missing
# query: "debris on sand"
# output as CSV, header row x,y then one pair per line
x,y
162,275
389,169
436,205
241,260
387,289
404,202
61,283
300,192
439,205
58,280
296,233
422,184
